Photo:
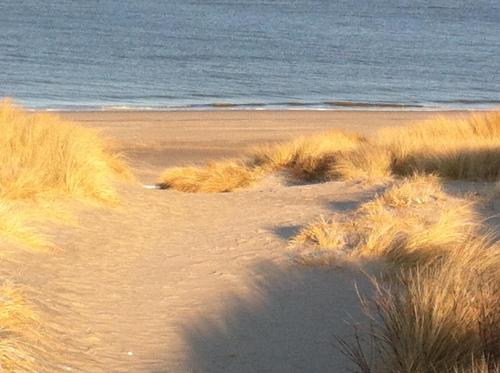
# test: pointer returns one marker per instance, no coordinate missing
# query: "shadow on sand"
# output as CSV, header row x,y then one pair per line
x,y
287,322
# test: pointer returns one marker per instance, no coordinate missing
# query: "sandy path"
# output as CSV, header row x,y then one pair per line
x,y
174,282
196,283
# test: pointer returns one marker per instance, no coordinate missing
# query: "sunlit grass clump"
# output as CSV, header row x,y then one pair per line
x,y
18,331
414,221
437,307
15,227
43,159
459,147
216,177
44,156
306,158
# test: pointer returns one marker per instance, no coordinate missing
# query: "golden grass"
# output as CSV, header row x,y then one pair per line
x,y
42,159
413,221
14,227
368,163
459,147
439,308
439,318
18,325
308,158
216,177
42,155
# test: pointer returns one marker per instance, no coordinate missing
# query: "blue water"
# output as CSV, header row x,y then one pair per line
x,y
104,54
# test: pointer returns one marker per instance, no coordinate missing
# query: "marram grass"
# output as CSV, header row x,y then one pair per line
x,y
463,147
43,159
216,177
306,158
44,156
18,324
439,318
438,308
459,147
414,221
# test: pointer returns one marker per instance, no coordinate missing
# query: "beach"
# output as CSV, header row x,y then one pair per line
x,y
249,186
153,140
181,282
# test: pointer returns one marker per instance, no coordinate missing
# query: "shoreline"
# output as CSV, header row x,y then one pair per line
x,y
232,108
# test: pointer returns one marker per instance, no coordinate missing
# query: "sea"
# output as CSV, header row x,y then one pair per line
x,y
251,54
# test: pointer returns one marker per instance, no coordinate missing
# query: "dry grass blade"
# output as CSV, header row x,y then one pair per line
x,y
368,163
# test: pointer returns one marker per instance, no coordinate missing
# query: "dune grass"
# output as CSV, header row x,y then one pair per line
x,y
18,323
306,158
44,156
15,227
216,177
413,221
368,163
437,309
439,318
463,147
43,159
459,147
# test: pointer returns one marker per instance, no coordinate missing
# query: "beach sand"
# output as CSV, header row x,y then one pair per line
x,y
155,140
176,282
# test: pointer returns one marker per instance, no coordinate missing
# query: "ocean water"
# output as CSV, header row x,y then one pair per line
x,y
317,54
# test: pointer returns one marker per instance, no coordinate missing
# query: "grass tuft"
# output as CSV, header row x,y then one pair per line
x,y
439,318
17,331
308,158
44,156
460,147
216,177
413,221
42,159
368,163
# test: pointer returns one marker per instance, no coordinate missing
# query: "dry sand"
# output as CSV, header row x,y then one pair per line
x,y
155,140
174,282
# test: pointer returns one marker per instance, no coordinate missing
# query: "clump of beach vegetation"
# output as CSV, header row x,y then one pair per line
x,y
414,221
43,159
44,156
216,177
442,317
306,158
463,147
18,331
437,306
459,147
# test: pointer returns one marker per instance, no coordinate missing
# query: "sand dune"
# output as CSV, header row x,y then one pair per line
x,y
175,282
